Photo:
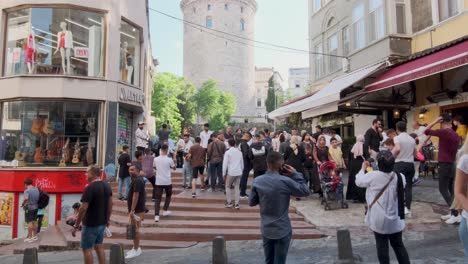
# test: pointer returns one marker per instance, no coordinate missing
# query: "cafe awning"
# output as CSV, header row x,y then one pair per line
x,y
328,96
441,60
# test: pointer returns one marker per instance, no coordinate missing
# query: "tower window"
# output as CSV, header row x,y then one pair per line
x,y
242,9
242,25
209,22
209,7
226,7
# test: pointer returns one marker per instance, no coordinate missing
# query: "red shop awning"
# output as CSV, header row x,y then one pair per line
x,y
440,61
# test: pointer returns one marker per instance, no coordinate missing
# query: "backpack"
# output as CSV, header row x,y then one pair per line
x,y
43,199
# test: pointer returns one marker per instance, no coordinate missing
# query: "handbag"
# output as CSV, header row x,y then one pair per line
x,y
377,197
131,230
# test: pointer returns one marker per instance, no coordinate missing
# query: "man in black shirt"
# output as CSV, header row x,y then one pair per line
x,y
318,132
245,149
95,212
124,176
372,140
136,206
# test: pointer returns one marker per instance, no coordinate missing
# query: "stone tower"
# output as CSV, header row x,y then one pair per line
x,y
210,54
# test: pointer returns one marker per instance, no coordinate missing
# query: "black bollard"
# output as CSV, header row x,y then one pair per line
x,y
219,251
117,254
30,256
345,249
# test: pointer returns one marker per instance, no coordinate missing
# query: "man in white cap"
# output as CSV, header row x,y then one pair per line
x,y
142,137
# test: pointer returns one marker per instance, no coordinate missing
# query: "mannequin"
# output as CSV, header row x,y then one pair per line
x,y
123,60
30,51
129,60
64,45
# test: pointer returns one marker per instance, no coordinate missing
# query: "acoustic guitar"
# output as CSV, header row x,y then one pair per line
x,y
76,155
38,157
19,156
65,157
47,127
37,125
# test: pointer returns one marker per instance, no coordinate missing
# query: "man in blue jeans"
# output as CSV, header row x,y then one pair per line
x,y
216,150
273,192
95,212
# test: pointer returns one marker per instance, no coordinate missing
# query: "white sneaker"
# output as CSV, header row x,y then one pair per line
x,y
406,211
156,218
130,254
28,240
138,252
34,238
453,220
167,213
446,217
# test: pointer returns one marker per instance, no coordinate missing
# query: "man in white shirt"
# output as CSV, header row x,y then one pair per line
x,y
404,153
328,138
233,166
141,137
163,165
205,136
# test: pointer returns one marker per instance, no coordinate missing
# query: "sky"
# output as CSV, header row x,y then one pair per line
x,y
276,22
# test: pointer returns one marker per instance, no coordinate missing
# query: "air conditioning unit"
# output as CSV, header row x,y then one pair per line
x,y
439,97
345,64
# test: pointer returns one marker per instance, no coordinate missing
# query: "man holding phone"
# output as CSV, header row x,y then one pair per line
x,y
273,191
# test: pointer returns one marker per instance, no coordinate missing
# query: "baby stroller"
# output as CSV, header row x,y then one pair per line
x,y
332,186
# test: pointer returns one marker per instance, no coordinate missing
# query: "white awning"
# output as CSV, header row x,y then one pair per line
x,y
330,94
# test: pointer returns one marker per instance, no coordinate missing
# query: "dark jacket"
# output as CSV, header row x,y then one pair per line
x,y
295,160
258,155
245,149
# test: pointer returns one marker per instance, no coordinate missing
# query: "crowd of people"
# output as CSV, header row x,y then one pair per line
x,y
383,167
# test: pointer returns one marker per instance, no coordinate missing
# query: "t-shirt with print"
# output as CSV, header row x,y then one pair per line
x,y
163,165
137,186
96,194
463,166
33,197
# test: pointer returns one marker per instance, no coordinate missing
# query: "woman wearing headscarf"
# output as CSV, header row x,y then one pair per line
x,y
355,162
295,154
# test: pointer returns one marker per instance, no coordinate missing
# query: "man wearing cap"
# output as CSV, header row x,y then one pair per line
x,y
141,136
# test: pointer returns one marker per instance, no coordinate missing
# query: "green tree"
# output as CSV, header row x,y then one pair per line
x,y
165,101
187,105
214,105
270,101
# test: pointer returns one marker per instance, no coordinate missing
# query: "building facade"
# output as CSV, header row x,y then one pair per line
x,y
76,79
211,54
265,76
299,82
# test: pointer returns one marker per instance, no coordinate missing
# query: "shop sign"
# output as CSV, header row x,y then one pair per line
x,y
81,52
49,181
130,95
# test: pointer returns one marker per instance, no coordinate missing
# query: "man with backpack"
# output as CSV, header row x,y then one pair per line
x,y
258,155
41,205
30,205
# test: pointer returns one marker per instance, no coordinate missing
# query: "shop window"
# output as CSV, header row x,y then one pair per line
x,y
359,27
447,8
333,64
49,134
54,41
377,19
129,53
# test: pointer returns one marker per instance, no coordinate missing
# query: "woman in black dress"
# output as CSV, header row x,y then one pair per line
x,y
356,158
321,153
295,154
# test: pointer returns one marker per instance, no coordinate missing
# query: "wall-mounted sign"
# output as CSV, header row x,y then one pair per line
x,y
81,52
131,95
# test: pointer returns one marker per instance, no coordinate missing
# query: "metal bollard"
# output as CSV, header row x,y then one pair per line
x,y
116,254
345,249
30,256
219,251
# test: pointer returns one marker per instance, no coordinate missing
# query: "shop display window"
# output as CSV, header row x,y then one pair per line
x,y
48,134
54,41
129,53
